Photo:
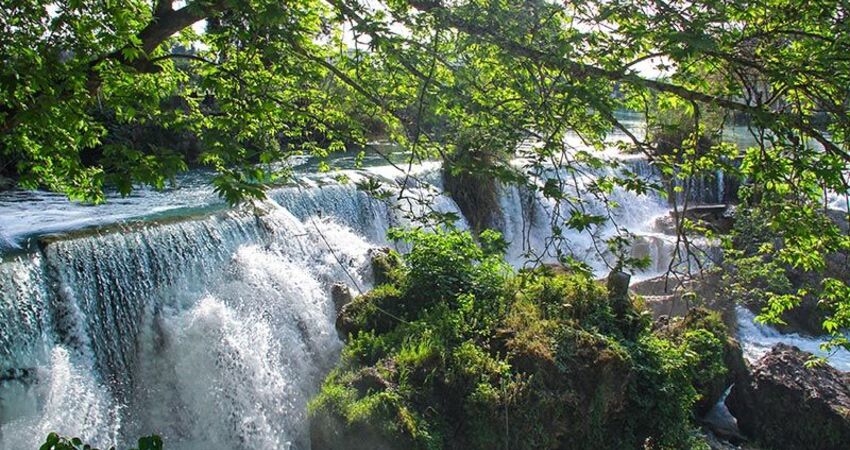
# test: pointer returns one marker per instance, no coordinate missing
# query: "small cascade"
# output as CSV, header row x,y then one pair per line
x,y
354,208
527,220
757,339
721,186
707,188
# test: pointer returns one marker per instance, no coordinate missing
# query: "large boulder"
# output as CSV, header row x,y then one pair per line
x,y
786,405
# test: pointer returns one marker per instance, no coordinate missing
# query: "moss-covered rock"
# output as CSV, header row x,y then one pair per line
x,y
460,353
372,311
475,192
385,263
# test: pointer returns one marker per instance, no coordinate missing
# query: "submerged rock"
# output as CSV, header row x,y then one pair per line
x,y
787,405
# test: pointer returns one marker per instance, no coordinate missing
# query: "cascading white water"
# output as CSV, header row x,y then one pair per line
x,y
757,339
214,330
526,221
65,395
211,331
23,313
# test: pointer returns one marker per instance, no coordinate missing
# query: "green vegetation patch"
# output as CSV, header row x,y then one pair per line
x,y
460,352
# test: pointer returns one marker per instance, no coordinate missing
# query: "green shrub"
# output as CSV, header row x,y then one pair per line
x,y
441,266
379,310
660,396
712,354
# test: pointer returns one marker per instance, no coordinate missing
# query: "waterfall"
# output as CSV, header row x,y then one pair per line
x,y
210,327
23,313
721,186
526,221
210,331
213,327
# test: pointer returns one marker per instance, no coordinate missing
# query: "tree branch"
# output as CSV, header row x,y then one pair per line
x,y
165,23
168,22
581,70
162,7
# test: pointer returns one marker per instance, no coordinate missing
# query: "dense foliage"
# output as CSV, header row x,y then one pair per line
x,y
457,351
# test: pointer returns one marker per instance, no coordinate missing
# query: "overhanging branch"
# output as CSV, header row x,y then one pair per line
x,y
581,70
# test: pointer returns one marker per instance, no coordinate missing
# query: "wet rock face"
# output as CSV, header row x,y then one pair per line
x,y
719,218
786,405
667,296
341,296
